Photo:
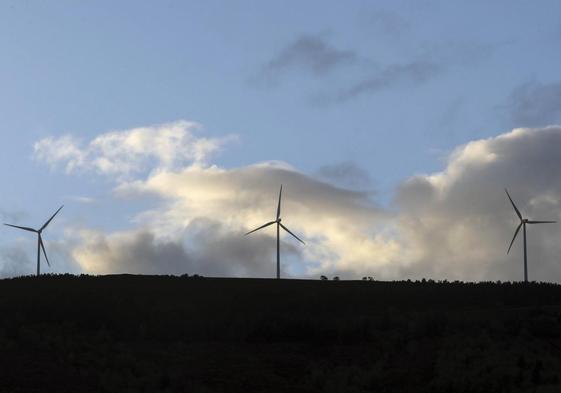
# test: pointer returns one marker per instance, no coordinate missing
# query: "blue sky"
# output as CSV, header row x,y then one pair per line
x,y
376,91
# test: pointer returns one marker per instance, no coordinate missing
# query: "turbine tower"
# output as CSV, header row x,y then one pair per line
x,y
40,245
523,222
279,225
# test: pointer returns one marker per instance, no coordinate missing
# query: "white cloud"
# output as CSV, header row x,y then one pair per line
x,y
66,148
131,151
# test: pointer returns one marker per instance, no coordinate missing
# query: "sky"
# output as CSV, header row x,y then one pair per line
x,y
166,129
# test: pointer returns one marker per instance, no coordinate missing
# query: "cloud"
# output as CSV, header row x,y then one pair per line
x,y
131,151
453,224
535,104
314,55
338,225
346,175
458,223
432,62
133,252
309,53
211,250
409,74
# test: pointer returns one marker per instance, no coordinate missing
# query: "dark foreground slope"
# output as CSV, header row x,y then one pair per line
x,y
134,333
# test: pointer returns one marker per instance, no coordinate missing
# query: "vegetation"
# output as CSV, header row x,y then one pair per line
x,y
184,334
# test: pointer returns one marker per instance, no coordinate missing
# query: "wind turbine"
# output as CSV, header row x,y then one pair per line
x,y
40,245
523,222
279,225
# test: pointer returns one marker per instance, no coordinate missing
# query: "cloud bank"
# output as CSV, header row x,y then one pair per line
x,y
459,222
453,224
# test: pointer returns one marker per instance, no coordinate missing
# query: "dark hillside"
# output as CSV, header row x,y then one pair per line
x,y
142,333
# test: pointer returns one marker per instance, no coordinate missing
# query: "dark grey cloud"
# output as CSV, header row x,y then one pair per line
x,y
136,253
410,74
432,61
206,248
535,104
314,55
309,53
233,254
346,175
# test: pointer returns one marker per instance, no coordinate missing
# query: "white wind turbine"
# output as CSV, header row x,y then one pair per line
x,y
40,245
279,225
523,222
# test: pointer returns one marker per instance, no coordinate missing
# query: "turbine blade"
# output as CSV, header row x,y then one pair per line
x,y
542,222
50,219
261,227
513,205
514,237
279,207
288,230
24,228
44,251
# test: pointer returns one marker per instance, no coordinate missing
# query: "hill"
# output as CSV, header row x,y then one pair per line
x,y
183,334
